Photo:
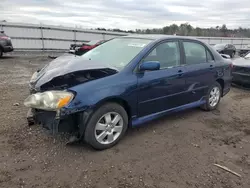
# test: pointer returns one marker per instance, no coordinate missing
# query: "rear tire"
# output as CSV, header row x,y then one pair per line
x,y
1,52
213,97
106,126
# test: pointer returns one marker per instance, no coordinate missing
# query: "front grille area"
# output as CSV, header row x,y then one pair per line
x,y
244,70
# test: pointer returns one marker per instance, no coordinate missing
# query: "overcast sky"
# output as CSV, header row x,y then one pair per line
x,y
128,14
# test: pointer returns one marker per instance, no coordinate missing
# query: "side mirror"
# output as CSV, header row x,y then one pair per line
x,y
149,66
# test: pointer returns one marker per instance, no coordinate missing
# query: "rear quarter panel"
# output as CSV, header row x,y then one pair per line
x,y
224,72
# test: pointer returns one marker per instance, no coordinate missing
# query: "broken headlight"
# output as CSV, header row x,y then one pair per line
x,y
49,100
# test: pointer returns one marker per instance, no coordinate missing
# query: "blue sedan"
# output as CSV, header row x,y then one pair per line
x,y
125,82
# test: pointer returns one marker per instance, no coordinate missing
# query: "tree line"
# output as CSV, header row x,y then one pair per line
x,y
186,29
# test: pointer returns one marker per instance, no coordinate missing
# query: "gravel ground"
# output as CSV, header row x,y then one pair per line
x,y
178,151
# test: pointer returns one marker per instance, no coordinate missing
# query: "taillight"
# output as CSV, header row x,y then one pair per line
x,y
231,65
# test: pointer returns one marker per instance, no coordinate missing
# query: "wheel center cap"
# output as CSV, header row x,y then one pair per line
x,y
109,128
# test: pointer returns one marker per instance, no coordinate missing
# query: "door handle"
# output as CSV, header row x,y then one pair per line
x,y
180,72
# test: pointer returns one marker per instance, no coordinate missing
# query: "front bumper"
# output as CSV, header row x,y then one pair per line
x,y
52,121
7,49
241,78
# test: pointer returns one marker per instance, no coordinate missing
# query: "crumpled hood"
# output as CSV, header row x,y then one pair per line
x,y
65,65
242,62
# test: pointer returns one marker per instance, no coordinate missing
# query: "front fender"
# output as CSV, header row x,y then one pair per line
x,y
88,95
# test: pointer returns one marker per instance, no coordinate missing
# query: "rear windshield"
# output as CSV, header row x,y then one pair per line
x,y
219,45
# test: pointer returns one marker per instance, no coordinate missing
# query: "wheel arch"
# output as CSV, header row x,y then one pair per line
x,y
222,83
117,100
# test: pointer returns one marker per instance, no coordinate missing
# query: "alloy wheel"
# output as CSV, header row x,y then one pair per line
x,y
214,96
108,128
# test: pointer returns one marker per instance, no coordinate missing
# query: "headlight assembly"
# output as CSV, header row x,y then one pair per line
x,y
49,100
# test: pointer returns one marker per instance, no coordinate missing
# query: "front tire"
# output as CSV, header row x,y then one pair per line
x,y
106,126
213,97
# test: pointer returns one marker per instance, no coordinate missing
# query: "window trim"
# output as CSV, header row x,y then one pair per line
x,y
157,44
198,42
208,51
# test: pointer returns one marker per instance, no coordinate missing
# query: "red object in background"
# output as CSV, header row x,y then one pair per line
x,y
4,37
87,47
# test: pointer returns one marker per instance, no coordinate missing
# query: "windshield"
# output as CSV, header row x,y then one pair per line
x,y
219,46
117,53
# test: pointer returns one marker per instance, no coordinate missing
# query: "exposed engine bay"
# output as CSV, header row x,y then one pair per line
x,y
75,78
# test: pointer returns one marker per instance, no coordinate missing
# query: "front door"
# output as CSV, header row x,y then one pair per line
x,y
162,89
200,70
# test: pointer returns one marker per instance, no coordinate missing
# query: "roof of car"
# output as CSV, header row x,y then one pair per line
x,y
221,44
156,37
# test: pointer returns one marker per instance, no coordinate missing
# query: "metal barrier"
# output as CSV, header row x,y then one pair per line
x,y
47,37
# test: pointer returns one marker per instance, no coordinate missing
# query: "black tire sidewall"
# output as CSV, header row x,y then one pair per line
x,y
89,135
208,106
1,52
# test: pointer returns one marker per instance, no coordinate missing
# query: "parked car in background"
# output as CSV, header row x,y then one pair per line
x,y
5,44
74,46
241,70
125,82
243,51
228,49
83,48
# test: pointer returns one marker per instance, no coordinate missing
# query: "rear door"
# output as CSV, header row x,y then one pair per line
x,y
200,70
162,89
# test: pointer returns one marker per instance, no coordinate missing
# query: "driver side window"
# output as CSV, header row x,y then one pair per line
x,y
167,54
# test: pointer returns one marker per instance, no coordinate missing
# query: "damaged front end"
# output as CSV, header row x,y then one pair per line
x,y
50,93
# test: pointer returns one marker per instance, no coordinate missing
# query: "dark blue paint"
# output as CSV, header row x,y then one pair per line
x,y
160,90
151,94
138,121
149,66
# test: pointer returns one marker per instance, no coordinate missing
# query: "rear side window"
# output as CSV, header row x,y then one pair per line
x,y
196,53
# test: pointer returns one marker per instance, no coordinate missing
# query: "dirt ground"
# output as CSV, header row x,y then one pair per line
x,y
178,151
